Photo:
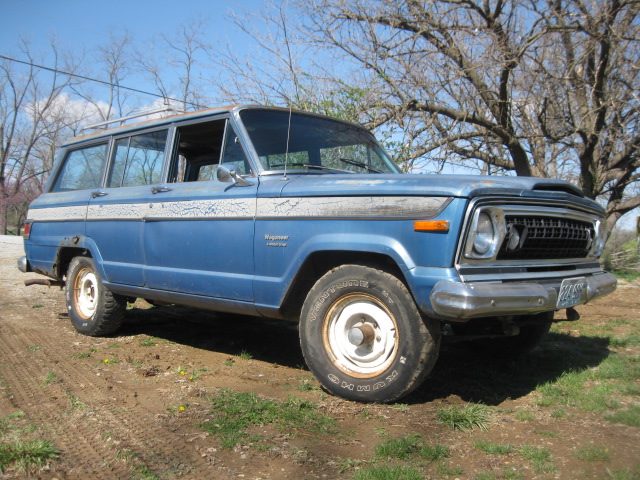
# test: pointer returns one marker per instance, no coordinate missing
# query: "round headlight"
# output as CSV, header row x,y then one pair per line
x,y
484,234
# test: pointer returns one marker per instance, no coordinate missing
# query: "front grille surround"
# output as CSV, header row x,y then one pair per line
x,y
553,235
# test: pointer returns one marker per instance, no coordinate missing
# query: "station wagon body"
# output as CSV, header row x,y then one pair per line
x,y
268,212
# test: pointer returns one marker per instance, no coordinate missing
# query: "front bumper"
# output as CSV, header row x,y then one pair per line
x,y
464,301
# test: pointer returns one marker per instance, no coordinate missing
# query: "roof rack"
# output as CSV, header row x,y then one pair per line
x,y
129,117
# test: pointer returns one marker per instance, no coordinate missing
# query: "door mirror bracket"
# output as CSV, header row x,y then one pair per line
x,y
223,174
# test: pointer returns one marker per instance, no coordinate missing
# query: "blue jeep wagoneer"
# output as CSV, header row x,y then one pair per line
x,y
267,212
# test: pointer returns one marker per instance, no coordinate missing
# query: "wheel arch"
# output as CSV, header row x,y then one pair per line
x,y
319,263
81,247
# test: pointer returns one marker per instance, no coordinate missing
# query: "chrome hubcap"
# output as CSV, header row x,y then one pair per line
x,y
361,335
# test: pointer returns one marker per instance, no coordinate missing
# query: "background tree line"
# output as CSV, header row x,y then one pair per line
x,y
546,88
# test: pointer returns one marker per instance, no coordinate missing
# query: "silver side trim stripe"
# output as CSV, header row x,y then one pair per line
x,y
337,207
57,214
249,208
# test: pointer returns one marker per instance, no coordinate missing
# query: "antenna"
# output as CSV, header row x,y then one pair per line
x,y
286,153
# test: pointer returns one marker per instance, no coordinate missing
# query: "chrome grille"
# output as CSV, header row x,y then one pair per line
x,y
546,238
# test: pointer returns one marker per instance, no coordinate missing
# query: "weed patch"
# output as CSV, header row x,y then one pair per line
x,y
466,417
592,453
540,458
26,456
236,412
409,446
388,472
493,448
19,453
630,416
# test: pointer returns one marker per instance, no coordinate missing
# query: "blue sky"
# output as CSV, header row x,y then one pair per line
x,y
82,26
87,23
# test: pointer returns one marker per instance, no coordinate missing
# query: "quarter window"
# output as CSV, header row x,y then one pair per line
x,y
82,169
138,160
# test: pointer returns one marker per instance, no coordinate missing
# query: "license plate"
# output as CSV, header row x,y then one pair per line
x,y
572,292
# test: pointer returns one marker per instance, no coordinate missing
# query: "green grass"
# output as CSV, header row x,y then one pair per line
x,y
409,447
627,275
540,458
625,473
307,385
25,456
592,453
466,417
75,402
141,472
6,423
50,378
388,472
596,389
235,413
148,343
245,355
493,448
629,416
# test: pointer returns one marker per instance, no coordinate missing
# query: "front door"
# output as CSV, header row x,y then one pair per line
x,y
198,233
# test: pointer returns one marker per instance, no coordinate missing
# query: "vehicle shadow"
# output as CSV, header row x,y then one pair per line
x,y
467,372
264,339
461,371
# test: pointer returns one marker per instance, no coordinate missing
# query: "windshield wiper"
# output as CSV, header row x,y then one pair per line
x,y
311,166
361,165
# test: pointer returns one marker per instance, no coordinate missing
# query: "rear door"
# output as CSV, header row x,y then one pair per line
x,y
116,213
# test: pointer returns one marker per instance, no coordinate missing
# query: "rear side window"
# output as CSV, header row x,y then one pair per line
x,y
82,169
138,160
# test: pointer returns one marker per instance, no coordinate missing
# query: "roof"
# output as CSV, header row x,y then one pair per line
x,y
185,116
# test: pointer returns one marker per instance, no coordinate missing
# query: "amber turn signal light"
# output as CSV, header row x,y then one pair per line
x,y
431,226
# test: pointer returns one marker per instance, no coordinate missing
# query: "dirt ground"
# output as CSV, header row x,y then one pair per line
x,y
119,408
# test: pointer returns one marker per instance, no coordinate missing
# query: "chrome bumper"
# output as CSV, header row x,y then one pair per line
x,y
23,265
464,301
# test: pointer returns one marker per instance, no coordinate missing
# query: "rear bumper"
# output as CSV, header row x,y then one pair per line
x,y
23,264
464,301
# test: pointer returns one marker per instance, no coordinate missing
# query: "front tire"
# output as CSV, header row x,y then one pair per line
x,y
363,337
93,309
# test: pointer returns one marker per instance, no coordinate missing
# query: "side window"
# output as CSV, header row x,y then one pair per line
x,y
202,147
82,169
138,160
199,146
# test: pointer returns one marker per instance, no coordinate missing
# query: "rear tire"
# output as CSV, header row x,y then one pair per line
x,y
93,309
363,337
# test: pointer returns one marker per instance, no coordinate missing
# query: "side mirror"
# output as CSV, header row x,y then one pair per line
x,y
225,175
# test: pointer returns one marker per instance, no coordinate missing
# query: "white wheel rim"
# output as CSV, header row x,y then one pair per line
x,y
361,312
86,293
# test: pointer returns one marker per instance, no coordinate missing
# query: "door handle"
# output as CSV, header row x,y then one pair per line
x,y
98,194
155,190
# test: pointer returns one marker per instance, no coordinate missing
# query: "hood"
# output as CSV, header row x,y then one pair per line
x,y
461,186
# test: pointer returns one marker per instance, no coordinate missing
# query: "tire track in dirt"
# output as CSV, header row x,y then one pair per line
x,y
111,431
72,436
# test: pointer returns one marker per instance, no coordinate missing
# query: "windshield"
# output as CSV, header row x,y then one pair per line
x,y
318,145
